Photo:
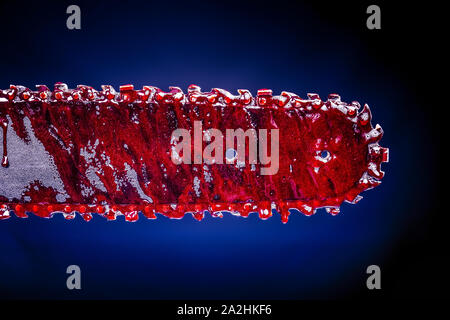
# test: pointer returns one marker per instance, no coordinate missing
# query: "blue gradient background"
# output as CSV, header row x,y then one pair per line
x,y
297,48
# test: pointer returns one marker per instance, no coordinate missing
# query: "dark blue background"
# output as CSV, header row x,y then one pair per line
x,y
300,48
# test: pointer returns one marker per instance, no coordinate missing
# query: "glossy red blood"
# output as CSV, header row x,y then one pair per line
x,y
112,152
